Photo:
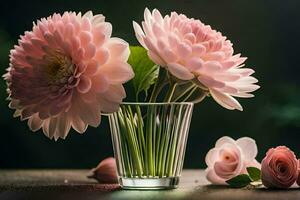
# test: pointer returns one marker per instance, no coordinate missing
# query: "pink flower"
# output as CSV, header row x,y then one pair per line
x,y
279,169
230,158
193,51
66,71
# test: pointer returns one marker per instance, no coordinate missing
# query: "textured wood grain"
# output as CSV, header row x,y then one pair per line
x,y
73,184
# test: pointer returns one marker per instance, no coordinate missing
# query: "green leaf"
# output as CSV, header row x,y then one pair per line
x,y
146,72
254,173
239,181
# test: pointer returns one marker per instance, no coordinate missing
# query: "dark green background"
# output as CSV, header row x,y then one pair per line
x,y
266,31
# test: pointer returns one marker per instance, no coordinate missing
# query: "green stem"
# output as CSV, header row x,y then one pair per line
x,y
158,138
125,151
171,91
184,92
136,132
132,142
161,144
149,135
200,98
140,123
166,140
174,141
190,94
159,85
154,93
154,114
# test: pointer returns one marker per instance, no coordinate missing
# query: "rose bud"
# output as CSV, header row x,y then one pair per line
x,y
279,169
106,171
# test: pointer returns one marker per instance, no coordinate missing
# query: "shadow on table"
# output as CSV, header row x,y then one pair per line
x,y
59,192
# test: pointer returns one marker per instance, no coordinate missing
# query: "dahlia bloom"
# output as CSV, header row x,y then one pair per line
x,y
191,50
66,71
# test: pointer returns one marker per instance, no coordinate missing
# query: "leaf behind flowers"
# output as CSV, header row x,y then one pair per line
x,y
146,71
254,173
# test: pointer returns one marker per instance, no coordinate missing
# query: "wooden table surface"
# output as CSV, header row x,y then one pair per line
x,y
74,185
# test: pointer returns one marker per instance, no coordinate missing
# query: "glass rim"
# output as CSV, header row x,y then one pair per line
x,y
156,103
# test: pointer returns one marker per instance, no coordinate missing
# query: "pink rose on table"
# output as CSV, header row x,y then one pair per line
x,y
230,158
279,168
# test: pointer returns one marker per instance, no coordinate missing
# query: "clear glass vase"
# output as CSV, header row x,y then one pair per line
x,y
149,141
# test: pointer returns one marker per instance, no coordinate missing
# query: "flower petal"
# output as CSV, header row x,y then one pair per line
x,y
183,50
78,124
224,140
92,67
156,59
63,126
225,100
210,82
111,99
52,130
180,71
118,49
248,147
195,64
84,85
102,56
35,123
139,33
100,83
212,177
211,157
90,51
117,73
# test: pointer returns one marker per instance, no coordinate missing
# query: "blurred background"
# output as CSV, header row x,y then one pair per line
x,y
267,32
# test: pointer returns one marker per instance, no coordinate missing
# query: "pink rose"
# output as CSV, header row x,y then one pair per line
x,y
279,168
230,158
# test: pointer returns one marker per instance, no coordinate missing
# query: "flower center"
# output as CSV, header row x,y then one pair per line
x,y
59,68
282,169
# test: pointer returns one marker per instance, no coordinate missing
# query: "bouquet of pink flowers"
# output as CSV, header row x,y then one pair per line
x,y
69,71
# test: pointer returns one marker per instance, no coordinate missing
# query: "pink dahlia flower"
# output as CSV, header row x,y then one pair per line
x,y
191,50
66,71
